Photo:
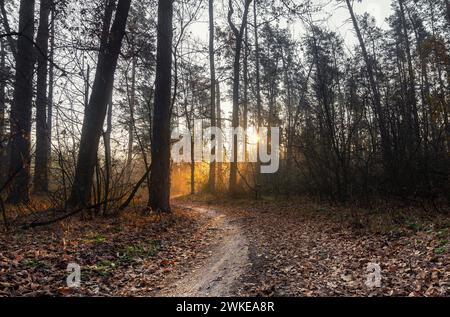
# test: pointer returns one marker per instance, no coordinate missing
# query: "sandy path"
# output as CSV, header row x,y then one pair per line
x,y
219,274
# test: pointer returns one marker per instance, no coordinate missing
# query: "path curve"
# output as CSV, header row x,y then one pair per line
x,y
219,274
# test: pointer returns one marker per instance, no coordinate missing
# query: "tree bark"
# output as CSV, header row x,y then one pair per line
x,y
258,87
413,117
238,33
107,144
219,126
3,140
50,89
160,167
131,122
447,2
212,165
95,112
21,107
41,161
385,143
11,42
245,101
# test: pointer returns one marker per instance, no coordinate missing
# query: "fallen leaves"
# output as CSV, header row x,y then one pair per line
x,y
296,249
123,256
298,252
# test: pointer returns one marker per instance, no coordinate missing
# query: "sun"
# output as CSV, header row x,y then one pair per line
x,y
253,136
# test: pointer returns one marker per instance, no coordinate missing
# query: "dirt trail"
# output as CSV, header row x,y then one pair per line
x,y
218,275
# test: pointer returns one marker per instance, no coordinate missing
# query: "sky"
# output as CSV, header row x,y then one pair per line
x,y
338,18
334,15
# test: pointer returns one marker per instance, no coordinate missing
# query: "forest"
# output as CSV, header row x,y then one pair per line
x,y
247,148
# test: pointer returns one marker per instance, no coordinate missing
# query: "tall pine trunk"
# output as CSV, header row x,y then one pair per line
x,y
3,140
21,107
258,92
108,159
95,112
219,126
160,167
413,117
41,163
212,165
385,142
50,89
131,122
238,34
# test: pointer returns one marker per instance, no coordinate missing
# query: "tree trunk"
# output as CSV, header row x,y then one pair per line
x,y
160,167
50,89
131,122
212,165
192,165
447,2
219,126
3,139
41,162
245,102
9,38
412,116
258,88
21,107
236,75
95,112
107,143
385,143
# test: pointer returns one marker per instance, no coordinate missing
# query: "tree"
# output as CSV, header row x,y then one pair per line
x,y
212,166
4,74
160,166
385,142
42,137
95,112
238,38
257,82
21,107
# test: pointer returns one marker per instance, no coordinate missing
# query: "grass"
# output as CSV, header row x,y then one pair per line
x,y
97,238
103,268
140,250
37,264
127,255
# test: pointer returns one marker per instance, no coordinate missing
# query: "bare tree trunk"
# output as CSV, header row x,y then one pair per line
x,y
50,89
9,38
238,33
447,2
219,126
290,130
3,140
41,161
258,90
96,111
192,165
160,167
245,102
413,117
21,107
107,143
212,165
131,123
385,143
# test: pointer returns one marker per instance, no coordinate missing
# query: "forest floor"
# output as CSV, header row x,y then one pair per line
x,y
233,248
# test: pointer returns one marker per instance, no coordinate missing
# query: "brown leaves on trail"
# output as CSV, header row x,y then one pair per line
x,y
296,248
123,256
299,252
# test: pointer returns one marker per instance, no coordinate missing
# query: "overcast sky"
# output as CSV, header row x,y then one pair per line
x,y
338,18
